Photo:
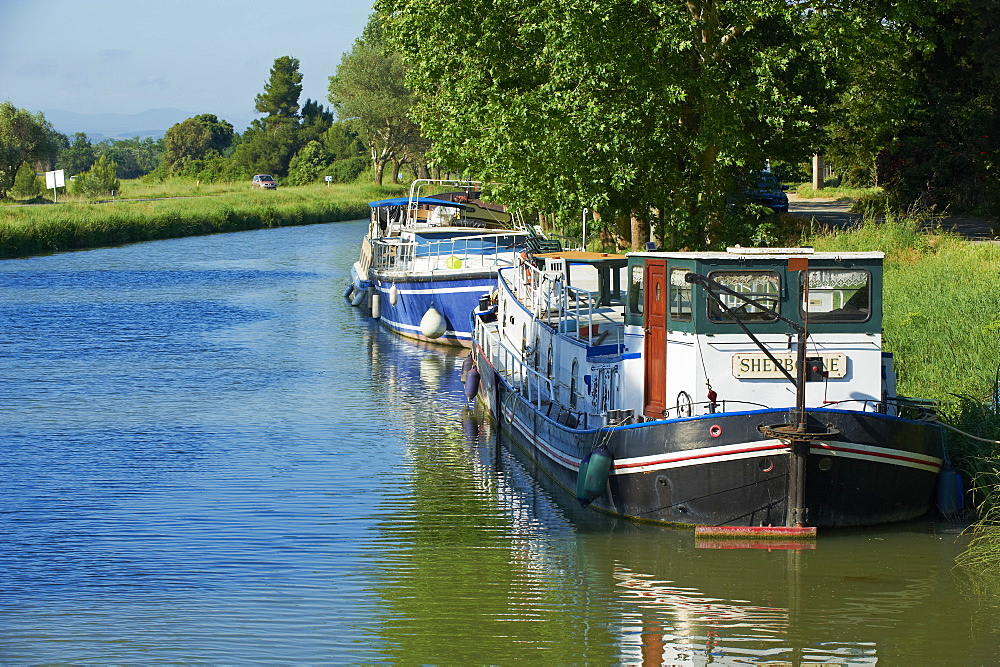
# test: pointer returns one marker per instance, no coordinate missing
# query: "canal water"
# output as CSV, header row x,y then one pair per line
x,y
209,457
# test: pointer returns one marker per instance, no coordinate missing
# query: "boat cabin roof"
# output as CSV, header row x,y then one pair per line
x,y
585,257
405,201
832,292
741,254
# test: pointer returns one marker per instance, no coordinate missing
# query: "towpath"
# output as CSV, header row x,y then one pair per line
x,y
836,213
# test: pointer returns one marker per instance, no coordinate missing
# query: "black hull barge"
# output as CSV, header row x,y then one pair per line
x,y
769,406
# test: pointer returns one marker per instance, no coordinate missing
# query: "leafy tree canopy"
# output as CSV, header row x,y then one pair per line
x,y
222,132
79,156
185,141
341,141
265,149
623,106
369,92
133,157
922,117
24,137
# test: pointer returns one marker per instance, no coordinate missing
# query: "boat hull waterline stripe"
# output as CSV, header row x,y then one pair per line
x,y
442,290
734,452
852,450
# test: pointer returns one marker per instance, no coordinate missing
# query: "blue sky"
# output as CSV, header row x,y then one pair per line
x,y
128,56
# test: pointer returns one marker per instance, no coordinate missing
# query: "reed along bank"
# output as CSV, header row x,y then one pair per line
x,y
76,225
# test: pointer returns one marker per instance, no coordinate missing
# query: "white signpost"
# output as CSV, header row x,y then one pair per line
x,y
55,179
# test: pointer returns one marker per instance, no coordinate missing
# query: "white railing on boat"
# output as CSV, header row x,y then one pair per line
x,y
541,391
480,251
570,310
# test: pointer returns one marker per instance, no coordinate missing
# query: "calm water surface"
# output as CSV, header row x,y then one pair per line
x,y
208,457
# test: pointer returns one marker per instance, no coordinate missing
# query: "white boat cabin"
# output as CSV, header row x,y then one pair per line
x,y
604,337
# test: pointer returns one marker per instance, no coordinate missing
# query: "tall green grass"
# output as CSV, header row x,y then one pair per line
x,y
33,230
941,306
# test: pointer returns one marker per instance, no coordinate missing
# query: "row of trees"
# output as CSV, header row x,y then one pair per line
x,y
648,112
642,108
298,143
29,144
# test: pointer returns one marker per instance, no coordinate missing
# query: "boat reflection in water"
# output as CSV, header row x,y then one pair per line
x,y
480,559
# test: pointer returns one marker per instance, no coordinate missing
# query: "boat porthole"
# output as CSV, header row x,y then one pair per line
x,y
662,481
715,431
766,465
825,463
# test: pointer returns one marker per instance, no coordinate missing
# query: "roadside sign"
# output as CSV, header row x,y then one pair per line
x,y
55,179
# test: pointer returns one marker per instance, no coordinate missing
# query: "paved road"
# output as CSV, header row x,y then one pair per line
x,y
835,213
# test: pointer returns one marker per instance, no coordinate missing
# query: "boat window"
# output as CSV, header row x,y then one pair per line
x,y
548,362
635,293
572,384
836,295
536,354
764,287
680,295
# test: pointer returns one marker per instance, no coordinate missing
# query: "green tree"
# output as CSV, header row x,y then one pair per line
x,y
369,92
100,181
135,157
308,164
280,98
26,183
269,143
341,141
78,157
185,143
24,137
316,120
265,149
623,107
222,131
945,152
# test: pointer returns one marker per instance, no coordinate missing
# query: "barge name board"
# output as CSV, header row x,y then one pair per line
x,y
758,366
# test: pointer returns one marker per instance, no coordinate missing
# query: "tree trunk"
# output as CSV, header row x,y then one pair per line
x,y
396,164
639,228
379,167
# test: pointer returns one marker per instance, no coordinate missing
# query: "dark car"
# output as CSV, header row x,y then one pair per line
x,y
764,189
263,181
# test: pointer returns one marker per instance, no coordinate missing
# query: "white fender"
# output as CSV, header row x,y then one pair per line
x,y
376,305
393,294
432,324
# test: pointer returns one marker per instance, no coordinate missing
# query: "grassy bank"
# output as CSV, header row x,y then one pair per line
x,y
174,210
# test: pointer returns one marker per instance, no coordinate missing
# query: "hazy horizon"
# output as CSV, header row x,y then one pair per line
x,y
118,57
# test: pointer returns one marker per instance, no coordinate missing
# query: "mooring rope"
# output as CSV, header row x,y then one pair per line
x,y
958,430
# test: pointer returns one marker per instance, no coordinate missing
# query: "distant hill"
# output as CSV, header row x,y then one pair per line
x,y
152,123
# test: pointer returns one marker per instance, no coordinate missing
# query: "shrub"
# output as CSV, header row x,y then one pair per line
x,y
26,183
100,181
349,169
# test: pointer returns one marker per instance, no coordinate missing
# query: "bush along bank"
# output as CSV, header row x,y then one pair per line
x,y
36,230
